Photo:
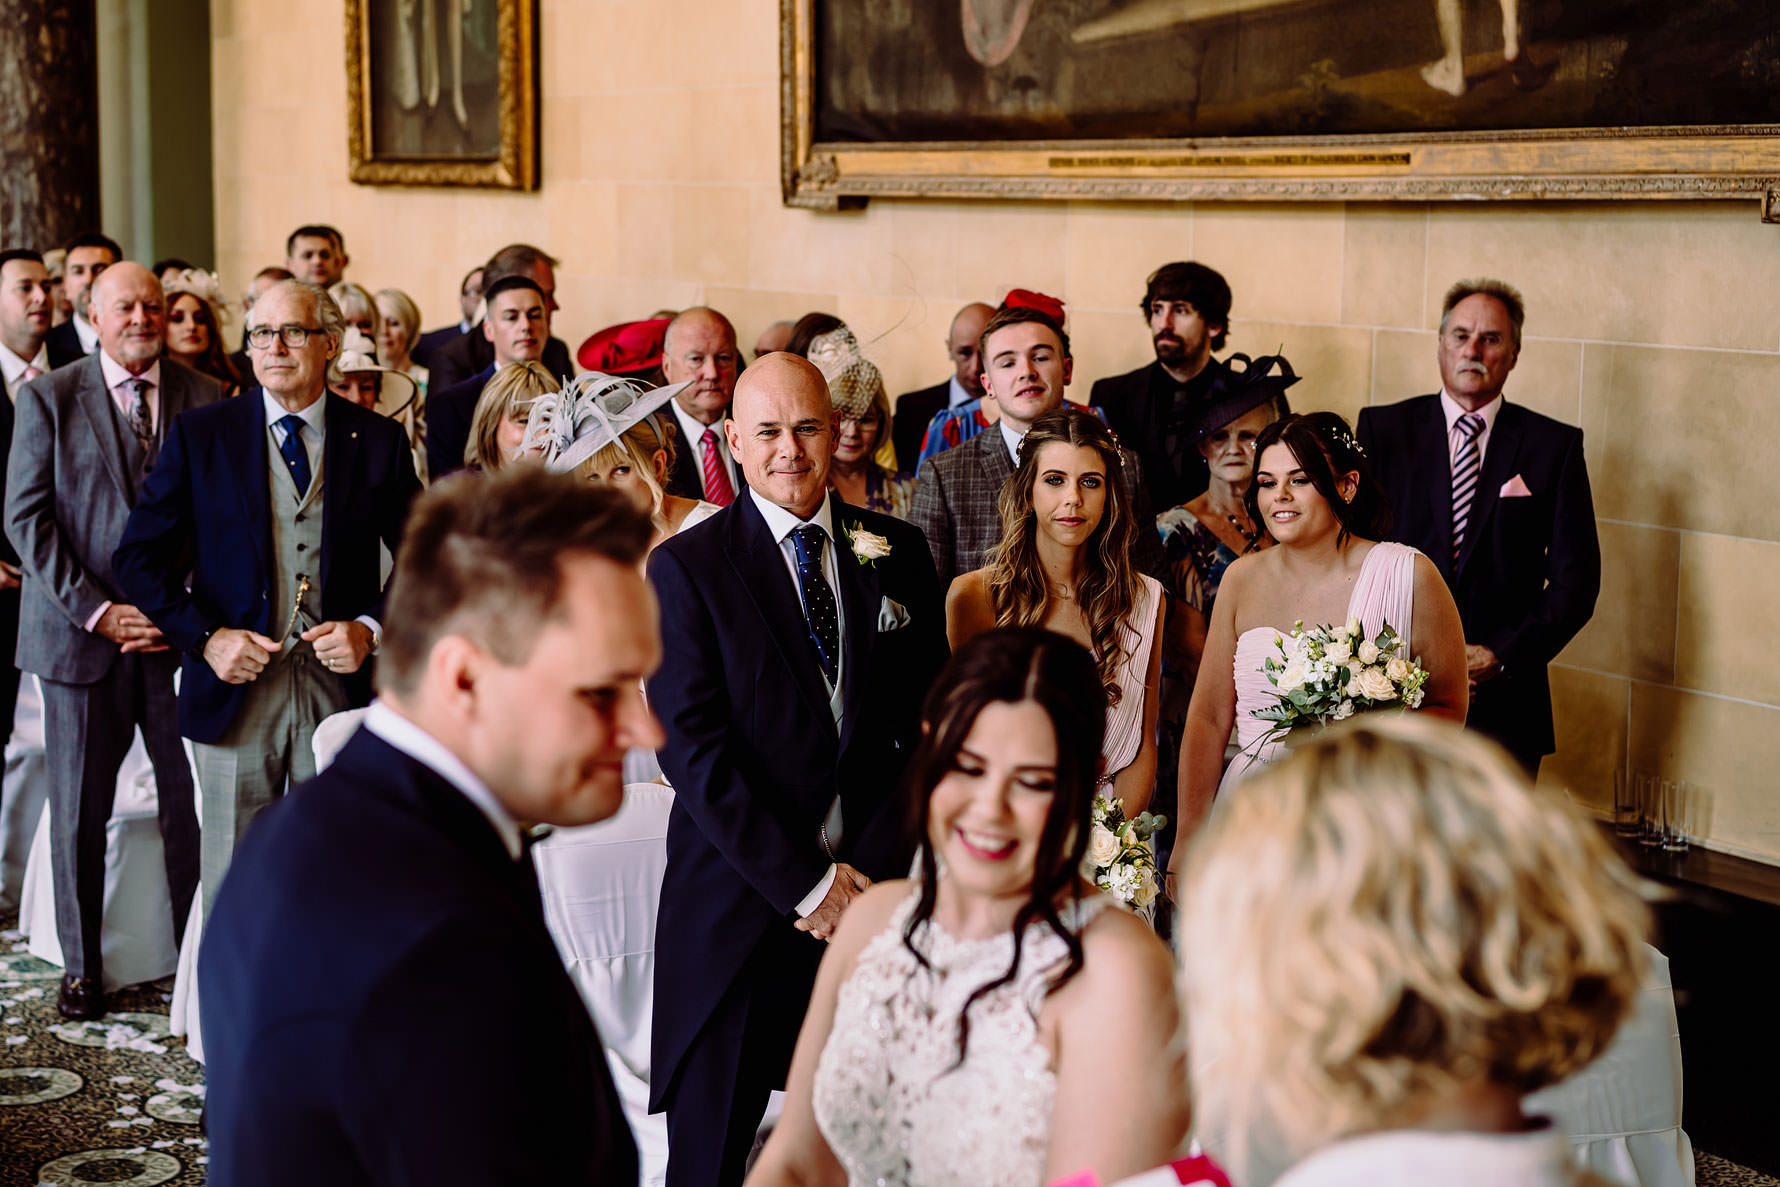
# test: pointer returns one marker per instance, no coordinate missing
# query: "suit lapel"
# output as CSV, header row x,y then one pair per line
x,y
860,597
246,458
757,560
1433,458
1498,466
95,402
339,457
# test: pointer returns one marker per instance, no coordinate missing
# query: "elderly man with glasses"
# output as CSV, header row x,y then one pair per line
x,y
275,503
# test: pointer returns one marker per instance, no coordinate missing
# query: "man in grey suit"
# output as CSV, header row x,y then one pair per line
x,y
86,438
1026,365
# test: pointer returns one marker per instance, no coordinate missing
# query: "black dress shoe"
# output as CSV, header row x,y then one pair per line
x,y
81,998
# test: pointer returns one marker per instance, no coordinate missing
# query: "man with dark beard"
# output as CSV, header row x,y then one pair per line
x,y
1187,306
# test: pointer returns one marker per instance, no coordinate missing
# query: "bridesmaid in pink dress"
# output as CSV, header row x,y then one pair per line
x,y
1315,494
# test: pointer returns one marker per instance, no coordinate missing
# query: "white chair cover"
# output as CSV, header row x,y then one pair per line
x,y
1623,1111
331,735
136,936
26,783
602,886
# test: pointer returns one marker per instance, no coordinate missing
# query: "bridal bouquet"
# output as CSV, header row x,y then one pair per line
x,y
1121,861
1328,673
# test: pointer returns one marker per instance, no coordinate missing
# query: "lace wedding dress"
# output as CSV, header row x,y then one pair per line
x,y
890,1097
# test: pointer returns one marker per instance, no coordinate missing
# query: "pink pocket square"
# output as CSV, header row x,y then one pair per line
x,y
1514,488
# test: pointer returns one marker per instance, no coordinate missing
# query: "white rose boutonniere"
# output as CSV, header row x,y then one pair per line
x,y
867,546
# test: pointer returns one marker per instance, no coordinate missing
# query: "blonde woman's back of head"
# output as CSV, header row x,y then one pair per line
x,y
1389,913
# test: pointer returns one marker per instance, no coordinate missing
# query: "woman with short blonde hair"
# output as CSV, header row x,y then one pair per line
x,y
1389,940
497,427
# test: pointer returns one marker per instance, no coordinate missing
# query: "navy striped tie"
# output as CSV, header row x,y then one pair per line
x,y
1467,464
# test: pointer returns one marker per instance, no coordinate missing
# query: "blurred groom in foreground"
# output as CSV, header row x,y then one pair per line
x,y
382,1001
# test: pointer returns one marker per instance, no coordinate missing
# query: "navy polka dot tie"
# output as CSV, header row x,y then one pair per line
x,y
818,600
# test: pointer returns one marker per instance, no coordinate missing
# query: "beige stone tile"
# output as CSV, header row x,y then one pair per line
x,y
1729,749
1684,438
710,234
1334,362
817,251
1107,344
719,44
561,139
1547,378
1724,640
646,230
639,136
1694,274
1283,262
1632,632
1384,265
753,310
732,134
1011,245
903,336
584,226
1113,247
924,248
1589,713
601,301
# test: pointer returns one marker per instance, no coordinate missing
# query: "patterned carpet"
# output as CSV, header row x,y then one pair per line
x,y
117,1101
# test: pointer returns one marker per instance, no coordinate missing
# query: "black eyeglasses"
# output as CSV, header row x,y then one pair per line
x,y
295,337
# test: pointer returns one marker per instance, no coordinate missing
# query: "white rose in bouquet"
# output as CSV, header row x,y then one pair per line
x,y
1368,652
1398,670
1377,686
1338,652
1292,678
1354,629
1103,846
1344,710
1145,893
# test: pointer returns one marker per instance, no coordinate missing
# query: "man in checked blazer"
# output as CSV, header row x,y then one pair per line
x,y
1497,496
1026,365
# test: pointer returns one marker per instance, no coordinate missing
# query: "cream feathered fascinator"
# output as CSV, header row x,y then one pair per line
x,y
592,412
854,383
202,285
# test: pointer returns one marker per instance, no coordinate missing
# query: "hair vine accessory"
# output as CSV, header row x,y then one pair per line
x,y
591,412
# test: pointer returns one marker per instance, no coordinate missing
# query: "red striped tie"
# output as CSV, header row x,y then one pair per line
x,y
718,488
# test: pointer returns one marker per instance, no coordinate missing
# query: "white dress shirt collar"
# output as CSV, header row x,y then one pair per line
x,y
117,377
957,393
314,417
692,431
433,754
89,337
1011,439
13,367
781,523
1453,410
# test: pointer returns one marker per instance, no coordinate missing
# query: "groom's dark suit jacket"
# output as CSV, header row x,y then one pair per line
x,y
383,1003
753,753
1529,569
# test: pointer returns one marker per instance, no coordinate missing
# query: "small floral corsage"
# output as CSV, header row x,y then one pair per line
x,y
867,546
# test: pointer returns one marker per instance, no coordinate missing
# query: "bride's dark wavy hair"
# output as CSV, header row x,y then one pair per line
x,y
1013,665
1326,449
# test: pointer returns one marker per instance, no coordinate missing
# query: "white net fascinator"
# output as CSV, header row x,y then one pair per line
x,y
590,413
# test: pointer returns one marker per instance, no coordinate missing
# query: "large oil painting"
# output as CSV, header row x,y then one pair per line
x,y
443,92
1288,98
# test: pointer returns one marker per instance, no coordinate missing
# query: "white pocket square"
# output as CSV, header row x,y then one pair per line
x,y
1514,488
891,615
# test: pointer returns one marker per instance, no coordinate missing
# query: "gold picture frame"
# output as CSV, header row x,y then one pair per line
x,y
464,108
1718,161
